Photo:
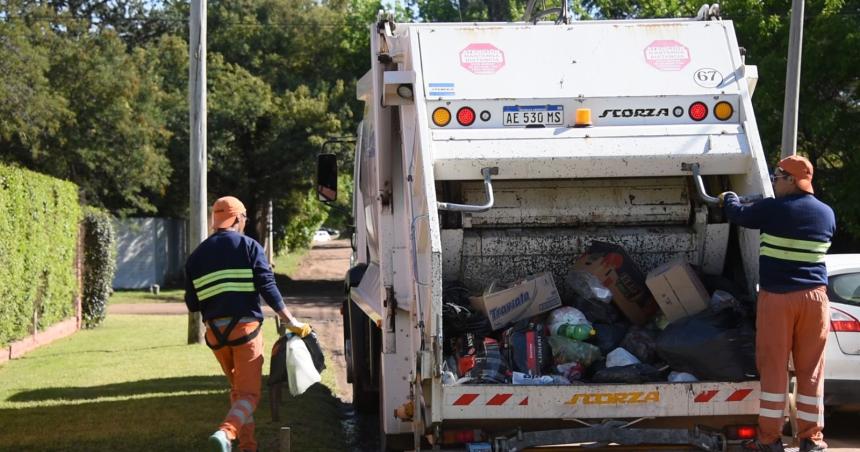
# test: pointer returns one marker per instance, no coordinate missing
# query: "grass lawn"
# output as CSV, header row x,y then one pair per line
x,y
287,263
134,385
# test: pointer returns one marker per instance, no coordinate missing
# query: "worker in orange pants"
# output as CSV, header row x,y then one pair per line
x,y
243,366
792,314
796,323
224,279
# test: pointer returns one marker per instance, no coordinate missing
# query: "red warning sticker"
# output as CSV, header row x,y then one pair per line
x,y
482,58
667,55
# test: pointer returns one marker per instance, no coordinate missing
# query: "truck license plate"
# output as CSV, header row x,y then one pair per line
x,y
532,115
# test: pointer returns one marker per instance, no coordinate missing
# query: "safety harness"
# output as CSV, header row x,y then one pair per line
x,y
222,337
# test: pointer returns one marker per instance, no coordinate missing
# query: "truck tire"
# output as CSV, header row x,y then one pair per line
x,y
365,369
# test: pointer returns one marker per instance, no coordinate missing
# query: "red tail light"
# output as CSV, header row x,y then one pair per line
x,y
737,432
698,111
842,322
461,436
466,116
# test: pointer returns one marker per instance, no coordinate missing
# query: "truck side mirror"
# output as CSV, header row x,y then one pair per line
x,y
327,177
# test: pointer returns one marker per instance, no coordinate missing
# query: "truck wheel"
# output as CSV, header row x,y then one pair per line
x,y
365,395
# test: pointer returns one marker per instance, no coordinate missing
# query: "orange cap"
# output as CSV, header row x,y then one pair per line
x,y
225,210
801,169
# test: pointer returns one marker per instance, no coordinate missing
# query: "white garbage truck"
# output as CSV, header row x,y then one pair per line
x,y
495,151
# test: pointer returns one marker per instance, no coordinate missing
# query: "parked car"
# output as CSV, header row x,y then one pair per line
x,y
322,236
842,369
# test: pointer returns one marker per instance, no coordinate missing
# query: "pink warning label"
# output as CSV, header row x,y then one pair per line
x,y
482,58
667,55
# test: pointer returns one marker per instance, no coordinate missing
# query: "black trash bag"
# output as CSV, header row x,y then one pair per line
x,y
597,311
528,338
278,363
642,343
459,318
633,373
609,336
490,365
710,345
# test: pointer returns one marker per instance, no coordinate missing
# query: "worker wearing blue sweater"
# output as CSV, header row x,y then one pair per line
x,y
225,276
792,313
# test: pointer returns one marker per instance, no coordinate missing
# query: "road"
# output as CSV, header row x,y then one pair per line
x,y
314,293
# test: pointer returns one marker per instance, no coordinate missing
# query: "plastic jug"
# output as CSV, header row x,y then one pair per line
x,y
301,372
579,332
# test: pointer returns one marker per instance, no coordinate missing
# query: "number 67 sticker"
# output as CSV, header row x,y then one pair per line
x,y
708,78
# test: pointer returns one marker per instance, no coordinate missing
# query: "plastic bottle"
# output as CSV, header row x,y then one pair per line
x,y
579,332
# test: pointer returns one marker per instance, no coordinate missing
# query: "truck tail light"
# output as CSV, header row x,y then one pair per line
x,y
698,111
723,111
441,116
740,432
842,322
466,116
461,436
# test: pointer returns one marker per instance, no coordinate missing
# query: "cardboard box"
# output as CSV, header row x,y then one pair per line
x,y
677,289
619,273
530,297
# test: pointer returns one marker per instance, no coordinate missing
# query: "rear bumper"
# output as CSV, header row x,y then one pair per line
x,y
841,392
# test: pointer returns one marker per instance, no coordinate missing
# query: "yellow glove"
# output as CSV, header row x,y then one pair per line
x,y
724,195
300,329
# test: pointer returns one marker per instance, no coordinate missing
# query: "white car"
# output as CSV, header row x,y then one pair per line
x,y
322,236
842,368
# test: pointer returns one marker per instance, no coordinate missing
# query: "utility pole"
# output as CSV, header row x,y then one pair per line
x,y
197,218
792,81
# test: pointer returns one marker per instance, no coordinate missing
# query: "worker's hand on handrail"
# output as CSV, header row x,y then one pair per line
x,y
726,194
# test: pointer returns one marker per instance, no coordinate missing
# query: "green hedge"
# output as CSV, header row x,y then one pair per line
x,y
39,220
99,265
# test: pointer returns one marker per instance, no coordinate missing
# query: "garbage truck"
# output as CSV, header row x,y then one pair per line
x,y
493,151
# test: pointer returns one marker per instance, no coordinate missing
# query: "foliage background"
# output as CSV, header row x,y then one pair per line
x,y
99,265
95,91
39,227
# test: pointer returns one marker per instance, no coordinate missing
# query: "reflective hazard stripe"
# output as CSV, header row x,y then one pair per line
x,y
230,273
798,256
805,245
806,400
793,249
238,414
818,418
765,412
225,287
772,397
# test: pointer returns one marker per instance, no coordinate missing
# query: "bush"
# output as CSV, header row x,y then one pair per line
x,y
303,217
99,265
39,227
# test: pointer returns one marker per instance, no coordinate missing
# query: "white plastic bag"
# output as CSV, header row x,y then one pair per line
x,y
301,373
620,357
679,377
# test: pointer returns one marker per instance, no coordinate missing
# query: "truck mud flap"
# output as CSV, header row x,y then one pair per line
x,y
606,434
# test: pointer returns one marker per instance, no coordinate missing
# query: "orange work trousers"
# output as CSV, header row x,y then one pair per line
x,y
243,366
796,324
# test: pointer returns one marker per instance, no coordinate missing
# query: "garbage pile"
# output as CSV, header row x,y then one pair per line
x,y
614,325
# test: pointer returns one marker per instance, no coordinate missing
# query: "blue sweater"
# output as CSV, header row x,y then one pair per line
x,y
224,276
795,235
